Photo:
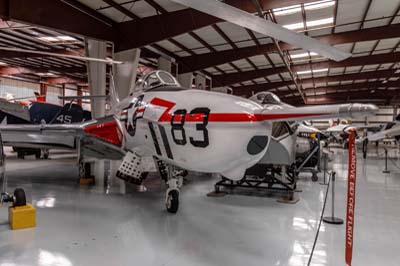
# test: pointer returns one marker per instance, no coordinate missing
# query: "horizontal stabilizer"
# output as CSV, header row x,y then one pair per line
x,y
268,28
318,112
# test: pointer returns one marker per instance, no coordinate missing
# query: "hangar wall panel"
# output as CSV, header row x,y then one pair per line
x,y
52,95
18,88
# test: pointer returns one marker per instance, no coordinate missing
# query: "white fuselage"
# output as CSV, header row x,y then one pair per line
x,y
196,130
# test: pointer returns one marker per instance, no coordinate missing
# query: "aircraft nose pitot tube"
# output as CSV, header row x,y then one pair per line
x,y
358,109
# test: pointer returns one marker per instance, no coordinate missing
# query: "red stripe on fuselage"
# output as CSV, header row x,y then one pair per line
x,y
166,116
221,117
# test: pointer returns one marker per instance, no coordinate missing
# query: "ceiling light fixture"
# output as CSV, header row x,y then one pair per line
x,y
310,24
66,38
61,38
45,74
48,39
282,11
294,56
313,71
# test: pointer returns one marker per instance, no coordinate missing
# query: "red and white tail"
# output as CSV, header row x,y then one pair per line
x,y
107,130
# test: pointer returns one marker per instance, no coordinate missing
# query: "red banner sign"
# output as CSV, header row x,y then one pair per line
x,y
351,198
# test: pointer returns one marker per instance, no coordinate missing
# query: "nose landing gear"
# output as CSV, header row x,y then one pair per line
x,y
173,178
172,201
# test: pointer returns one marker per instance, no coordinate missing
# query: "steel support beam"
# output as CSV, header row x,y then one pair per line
x,y
64,80
342,88
47,14
16,54
32,70
232,78
247,90
43,91
377,96
202,61
80,19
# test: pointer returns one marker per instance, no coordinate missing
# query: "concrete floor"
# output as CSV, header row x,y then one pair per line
x,y
81,226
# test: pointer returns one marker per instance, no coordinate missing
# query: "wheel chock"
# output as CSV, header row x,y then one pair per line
x,y
288,199
21,217
86,181
215,194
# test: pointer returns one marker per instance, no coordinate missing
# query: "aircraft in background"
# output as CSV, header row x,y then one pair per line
x,y
179,128
389,130
342,130
13,111
293,141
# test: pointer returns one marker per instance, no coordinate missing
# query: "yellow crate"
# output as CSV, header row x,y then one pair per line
x,y
22,217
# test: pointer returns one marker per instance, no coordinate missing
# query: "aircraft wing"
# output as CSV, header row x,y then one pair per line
x,y
14,109
97,138
286,113
389,133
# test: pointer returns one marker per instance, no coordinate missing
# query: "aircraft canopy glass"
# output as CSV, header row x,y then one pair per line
x,y
266,98
157,79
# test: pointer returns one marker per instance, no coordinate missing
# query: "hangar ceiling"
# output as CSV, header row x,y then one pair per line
x,y
233,56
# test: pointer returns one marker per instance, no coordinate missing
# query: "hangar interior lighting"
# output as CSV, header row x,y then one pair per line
x,y
48,39
45,74
310,24
2,63
294,56
308,6
66,38
62,38
313,71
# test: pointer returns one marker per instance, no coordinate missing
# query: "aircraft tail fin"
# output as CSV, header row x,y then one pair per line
x,y
70,113
114,98
40,98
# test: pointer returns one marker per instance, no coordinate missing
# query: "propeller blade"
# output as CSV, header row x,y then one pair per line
x,y
262,26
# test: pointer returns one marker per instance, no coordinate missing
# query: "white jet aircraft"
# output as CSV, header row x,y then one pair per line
x,y
389,130
191,129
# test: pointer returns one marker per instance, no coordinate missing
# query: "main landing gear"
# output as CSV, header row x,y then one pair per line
x,y
173,178
132,171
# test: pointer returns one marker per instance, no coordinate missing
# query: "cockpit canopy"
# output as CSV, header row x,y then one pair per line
x,y
265,97
155,79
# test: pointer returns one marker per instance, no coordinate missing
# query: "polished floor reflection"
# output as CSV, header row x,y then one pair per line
x,y
81,226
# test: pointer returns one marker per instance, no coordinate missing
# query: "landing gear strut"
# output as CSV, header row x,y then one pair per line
x,y
173,178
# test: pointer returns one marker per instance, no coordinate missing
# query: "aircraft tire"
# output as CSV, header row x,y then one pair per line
x,y
172,203
19,197
314,177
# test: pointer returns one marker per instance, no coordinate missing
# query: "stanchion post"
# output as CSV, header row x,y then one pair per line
x,y
325,169
332,219
386,171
